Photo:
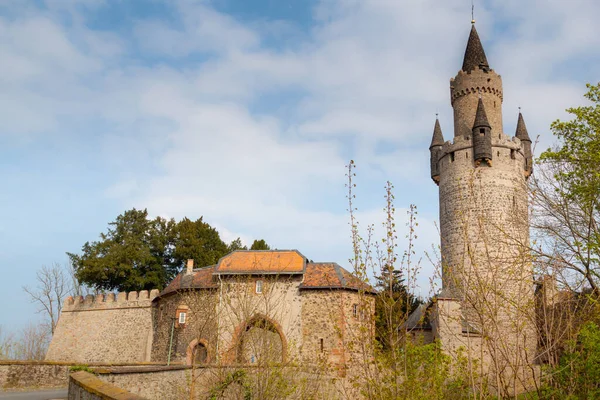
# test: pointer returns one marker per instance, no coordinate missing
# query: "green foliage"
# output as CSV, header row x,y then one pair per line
x,y
578,374
236,245
132,255
238,376
416,371
199,241
83,367
260,245
570,198
138,253
580,149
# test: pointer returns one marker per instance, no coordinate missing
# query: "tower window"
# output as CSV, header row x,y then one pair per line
x,y
452,157
481,130
322,345
466,154
498,154
512,154
499,136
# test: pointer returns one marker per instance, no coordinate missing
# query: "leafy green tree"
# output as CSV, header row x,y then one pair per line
x,y
578,374
579,151
199,241
260,245
132,255
566,194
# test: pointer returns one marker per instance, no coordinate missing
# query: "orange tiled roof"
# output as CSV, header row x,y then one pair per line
x,y
331,276
200,279
262,262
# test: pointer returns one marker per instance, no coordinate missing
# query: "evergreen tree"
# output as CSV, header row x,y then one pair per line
x,y
260,245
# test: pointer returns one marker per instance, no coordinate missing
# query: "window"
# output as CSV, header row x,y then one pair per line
x,y
259,286
355,310
322,345
452,157
482,131
512,154
181,315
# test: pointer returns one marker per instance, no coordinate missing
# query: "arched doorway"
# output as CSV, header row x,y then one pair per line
x,y
261,342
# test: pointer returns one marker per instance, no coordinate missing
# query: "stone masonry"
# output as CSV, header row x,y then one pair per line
x,y
115,328
487,302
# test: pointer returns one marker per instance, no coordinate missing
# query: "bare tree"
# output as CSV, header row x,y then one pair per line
x,y
53,285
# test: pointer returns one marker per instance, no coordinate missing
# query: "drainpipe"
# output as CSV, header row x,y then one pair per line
x,y
171,341
218,313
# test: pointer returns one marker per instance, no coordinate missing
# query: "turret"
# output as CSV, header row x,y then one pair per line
x,y
434,149
522,134
482,136
476,80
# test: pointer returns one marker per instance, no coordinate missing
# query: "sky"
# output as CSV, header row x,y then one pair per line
x,y
246,112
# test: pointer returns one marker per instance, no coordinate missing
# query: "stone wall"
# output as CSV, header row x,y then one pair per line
x,y
104,328
86,386
175,383
32,374
332,322
200,326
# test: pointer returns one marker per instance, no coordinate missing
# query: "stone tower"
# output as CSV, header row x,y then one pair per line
x,y
482,174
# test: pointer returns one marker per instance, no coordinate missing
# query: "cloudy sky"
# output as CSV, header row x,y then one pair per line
x,y
246,112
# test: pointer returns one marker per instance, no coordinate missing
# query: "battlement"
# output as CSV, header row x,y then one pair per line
x,y
475,82
108,301
498,140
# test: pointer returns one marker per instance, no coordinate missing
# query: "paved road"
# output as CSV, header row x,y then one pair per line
x,y
37,395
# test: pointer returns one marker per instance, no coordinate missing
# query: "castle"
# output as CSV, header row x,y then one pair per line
x,y
275,306
485,308
252,307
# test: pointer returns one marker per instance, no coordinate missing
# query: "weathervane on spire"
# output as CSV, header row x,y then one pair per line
x,y
472,12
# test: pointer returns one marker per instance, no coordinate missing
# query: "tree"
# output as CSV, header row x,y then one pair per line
x,y
567,195
260,245
199,241
52,287
139,253
236,245
134,254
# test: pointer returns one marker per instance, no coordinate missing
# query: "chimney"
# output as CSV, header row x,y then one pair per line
x,y
190,266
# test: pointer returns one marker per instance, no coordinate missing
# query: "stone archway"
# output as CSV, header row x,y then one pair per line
x,y
198,353
260,340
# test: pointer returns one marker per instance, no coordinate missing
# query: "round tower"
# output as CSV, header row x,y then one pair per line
x,y
483,203
474,81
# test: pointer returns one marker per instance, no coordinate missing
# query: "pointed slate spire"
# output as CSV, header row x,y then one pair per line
x,y
521,132
481,117
438,137
474,54
435,150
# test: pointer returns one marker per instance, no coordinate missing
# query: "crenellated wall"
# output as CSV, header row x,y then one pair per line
x,y
111,327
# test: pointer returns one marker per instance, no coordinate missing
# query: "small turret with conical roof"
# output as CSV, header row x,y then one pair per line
x,y
482,135
435,149
521,133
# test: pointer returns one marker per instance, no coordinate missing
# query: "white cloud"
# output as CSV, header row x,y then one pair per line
x,y
209,136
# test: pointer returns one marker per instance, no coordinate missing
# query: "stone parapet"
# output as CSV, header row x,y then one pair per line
x,y
105,301
83,385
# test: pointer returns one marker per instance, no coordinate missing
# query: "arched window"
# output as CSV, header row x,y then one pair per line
x,y
200,355
260,343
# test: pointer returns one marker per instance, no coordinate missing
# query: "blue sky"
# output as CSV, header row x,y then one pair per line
x,y
246,111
